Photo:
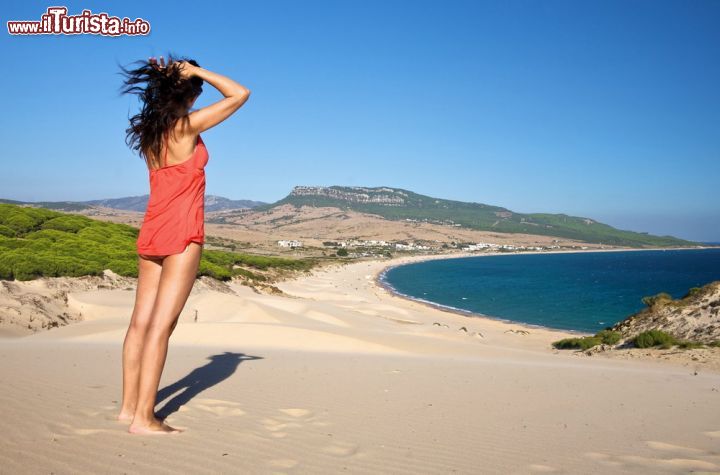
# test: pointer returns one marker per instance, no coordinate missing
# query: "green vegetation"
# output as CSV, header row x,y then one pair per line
x,y
650,338
689,345
582,343
652,300
693,291
654,338
405,204
607,337
647,339
38,242
222,265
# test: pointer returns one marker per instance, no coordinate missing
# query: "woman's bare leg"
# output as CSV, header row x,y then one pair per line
x,y
176,282
148,279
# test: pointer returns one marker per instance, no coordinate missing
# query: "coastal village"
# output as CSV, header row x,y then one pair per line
x,y
381,245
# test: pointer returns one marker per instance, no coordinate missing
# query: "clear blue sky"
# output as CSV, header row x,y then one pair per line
x,y
601,109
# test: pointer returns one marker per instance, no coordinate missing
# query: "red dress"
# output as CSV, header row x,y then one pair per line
x,y
175,214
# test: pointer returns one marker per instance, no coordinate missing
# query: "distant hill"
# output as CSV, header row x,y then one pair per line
x,y
55,205
400,204
129,203
134,203
139,203
403,205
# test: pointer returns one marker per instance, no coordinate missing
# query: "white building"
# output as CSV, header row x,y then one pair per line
x,y
289,243
478,246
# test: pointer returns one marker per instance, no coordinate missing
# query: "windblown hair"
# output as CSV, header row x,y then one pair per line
x,y
164,95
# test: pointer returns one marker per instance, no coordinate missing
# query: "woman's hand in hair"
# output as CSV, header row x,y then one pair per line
x,y
154,63
186,69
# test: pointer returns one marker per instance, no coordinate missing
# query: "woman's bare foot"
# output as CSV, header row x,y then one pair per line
x,y
154,427
125,417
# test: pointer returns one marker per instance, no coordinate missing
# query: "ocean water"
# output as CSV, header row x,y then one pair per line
x,y
580,291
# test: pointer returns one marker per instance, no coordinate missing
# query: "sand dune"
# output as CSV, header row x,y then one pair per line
x,y
340,376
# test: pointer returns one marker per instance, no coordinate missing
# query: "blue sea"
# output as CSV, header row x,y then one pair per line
x,y
579,291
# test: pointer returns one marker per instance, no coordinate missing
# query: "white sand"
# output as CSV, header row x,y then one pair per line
x,y
345,377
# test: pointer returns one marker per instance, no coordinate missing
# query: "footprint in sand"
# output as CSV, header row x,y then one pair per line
x,y
341,449
217,407
297,416
272,425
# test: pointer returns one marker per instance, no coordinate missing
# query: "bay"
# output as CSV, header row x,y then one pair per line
x,y
576,291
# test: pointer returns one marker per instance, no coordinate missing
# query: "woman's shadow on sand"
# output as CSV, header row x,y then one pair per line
x,y
220,367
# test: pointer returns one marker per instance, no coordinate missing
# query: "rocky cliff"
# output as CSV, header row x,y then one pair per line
x,y
381,195
695,317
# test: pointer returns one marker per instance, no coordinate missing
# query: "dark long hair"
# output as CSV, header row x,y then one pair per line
x,y
164,95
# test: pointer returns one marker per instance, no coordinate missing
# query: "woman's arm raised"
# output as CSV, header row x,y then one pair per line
x,y
235,96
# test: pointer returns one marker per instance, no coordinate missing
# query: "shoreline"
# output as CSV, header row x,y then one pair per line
x,y
378,281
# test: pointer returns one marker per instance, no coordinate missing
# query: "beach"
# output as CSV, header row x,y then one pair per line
x,y
340,375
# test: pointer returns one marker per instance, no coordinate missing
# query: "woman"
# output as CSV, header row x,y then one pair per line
x,y
171,238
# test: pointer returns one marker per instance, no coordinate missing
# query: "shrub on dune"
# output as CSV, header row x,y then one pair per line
x,y
607,337
650,338
582,343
